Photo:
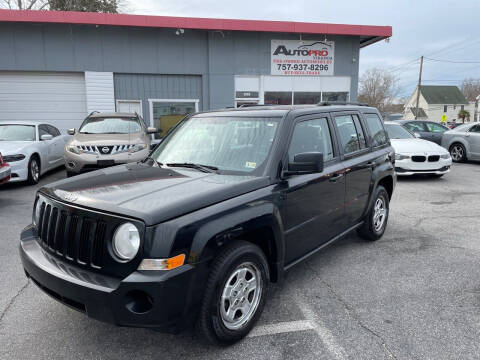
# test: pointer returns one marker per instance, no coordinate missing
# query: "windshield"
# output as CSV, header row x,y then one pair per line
x,y
108,125
231,144
17,133
398,132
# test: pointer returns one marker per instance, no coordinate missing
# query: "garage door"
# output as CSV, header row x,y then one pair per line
x,y
56,98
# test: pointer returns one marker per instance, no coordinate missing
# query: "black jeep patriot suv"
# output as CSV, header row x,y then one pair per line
x,y
225,204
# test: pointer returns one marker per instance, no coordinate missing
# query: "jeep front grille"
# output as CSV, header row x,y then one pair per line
x,y
76,238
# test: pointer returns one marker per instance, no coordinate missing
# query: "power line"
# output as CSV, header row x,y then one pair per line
x,y
454,61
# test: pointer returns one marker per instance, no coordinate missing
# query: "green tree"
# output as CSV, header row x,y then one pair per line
x,y
103,6
462,114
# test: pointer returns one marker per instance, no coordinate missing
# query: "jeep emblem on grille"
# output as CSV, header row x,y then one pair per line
x,y
70,196
105,150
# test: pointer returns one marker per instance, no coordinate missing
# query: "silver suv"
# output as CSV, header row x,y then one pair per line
x,y
106,139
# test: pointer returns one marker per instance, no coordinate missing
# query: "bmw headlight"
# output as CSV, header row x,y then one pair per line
x,y
137,147
445,156
401,156
126,241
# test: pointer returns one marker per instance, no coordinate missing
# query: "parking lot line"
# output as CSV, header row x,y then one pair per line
x,y
335,349
282,327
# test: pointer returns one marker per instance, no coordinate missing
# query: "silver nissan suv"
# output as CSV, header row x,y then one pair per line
x,y
107,139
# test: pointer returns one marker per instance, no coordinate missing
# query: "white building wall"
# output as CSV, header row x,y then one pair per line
x,y
100,91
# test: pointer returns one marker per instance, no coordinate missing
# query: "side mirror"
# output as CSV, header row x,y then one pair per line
x,y
305,163
45,137
152,130
417,135
71,131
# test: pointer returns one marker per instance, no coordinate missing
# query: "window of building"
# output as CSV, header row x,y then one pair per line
x,y
301,97
377,132
335,96
311,136
348,133
462,107
445,107
278,97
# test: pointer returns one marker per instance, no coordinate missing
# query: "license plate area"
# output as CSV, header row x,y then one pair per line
x,y
105,162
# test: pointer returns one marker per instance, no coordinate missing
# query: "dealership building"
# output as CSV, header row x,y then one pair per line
x,y
60,66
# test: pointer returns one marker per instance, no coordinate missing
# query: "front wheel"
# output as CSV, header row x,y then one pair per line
x,y
376,220
235,294
33,170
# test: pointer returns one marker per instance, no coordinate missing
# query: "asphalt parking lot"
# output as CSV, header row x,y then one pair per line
x,y
414,294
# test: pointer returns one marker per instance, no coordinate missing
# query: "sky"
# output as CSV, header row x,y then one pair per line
x,y
438,29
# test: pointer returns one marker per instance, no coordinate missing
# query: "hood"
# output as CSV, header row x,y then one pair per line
x,y
407,146
108,139
149,193
14,147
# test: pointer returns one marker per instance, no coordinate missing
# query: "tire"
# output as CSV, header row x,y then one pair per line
x,y
240,261
33,170
436,175
375,222
458,152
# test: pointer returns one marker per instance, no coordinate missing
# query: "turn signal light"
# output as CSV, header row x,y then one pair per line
x,y
162,264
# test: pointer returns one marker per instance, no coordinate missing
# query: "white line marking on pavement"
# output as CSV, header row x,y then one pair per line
x,y
323,333
283,327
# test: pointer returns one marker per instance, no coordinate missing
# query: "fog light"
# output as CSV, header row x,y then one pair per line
x,y
138,302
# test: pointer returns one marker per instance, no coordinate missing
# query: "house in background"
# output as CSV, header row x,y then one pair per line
x,y
435,101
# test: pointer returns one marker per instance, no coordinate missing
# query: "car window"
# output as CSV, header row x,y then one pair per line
x,y
43,130
432,127
53,130
475,129
311,136
349,138
360,132
377,131
415,126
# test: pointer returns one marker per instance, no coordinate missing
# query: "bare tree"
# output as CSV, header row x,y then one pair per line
x,y
470,88
379,88
104,6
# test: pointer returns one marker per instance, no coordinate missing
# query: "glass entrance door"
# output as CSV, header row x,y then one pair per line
x,y
167,113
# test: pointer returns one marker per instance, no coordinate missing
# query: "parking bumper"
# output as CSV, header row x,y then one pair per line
x,y
153,299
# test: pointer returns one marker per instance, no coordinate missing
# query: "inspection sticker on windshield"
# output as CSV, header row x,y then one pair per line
x,y
251,165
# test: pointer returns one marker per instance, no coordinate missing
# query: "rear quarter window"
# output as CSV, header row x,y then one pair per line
x,y
376,129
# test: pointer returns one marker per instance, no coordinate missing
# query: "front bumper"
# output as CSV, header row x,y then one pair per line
x,y
153,299
408,167
19,170
78,163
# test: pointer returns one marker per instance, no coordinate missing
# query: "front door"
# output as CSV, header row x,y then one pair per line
x,y
167,113
436,132
314,204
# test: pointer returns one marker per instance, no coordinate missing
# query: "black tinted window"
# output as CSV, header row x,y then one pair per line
x,y
349,138
53,130
377,132
475,129
43,130
360,132
311,136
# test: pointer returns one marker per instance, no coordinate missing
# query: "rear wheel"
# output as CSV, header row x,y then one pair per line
x,y
33,170
235,294
458,152
376,221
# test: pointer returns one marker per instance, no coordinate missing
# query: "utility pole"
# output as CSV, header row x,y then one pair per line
x,y
418,87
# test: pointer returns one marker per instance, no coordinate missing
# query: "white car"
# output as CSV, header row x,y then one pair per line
x,y
417,156
31,149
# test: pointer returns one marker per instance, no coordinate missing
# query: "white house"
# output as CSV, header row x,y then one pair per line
x,y
438,100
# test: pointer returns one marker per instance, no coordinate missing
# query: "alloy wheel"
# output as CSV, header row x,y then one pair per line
x,y
379,214
457,153
241,296
34,170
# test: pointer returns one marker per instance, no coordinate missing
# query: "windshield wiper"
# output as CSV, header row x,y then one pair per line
x,y
159,164
204,168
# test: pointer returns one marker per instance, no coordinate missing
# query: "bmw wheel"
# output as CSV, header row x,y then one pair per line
x,y
235,294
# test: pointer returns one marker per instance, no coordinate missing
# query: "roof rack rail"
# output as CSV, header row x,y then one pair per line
x,y
253,105
328,103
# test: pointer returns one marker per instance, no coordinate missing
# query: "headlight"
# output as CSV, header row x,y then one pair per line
x,y
445,156
74,149
12,158
401,157
137,147
126,242
36,213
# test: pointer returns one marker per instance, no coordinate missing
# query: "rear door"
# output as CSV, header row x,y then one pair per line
x,y
313,210
435,132
357,161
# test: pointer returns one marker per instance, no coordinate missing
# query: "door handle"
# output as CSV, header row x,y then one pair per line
x,y
335,177
371,163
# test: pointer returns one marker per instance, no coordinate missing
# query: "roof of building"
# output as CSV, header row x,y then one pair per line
x,y
368,34
421,112
434,94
